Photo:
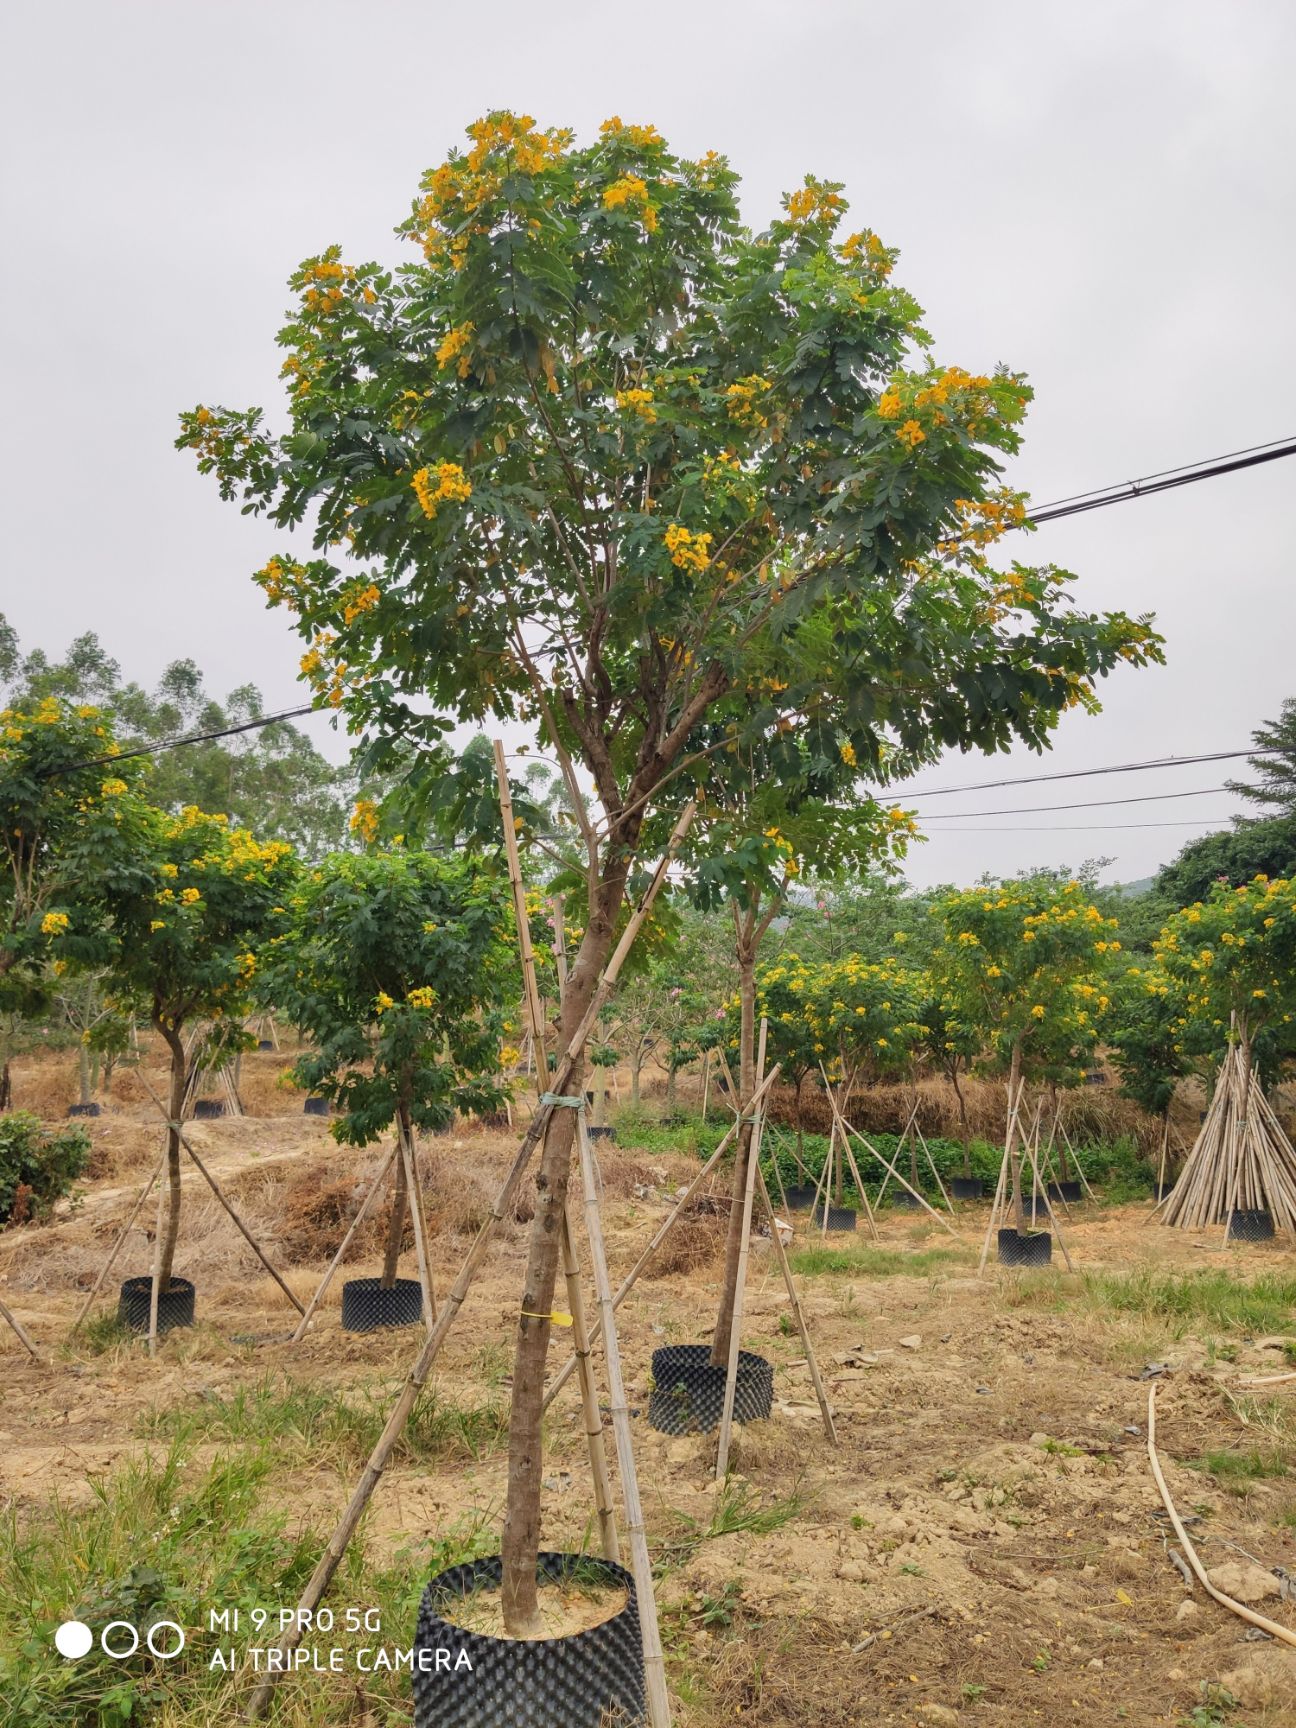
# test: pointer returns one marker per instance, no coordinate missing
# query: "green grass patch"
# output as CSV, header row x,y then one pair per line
x,y
1229,1304
738,1510
165,1539
1235,1469
318,1422
866,1261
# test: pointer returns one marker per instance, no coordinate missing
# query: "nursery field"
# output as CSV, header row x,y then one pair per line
x,y
986,1544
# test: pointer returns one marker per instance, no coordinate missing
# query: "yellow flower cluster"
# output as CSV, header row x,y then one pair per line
x,y
358,600
641,137
688,551
421,997
282,581
382,1002
113,788
54,923
446,483
625,193
814,202
638,402
848,755
911,434
364,820
743,400
456,344
868,246
464,185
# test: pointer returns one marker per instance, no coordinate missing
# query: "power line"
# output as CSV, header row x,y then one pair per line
x,y
1166,481
1162,473
193,738
1086,773
1091,804
1077,827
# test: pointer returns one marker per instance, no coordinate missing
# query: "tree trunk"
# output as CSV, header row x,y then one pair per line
x,y
1014,1162
746,1087
599,1116
526,1455
963,1121
800,1128
179,1075
83,1070
671,1075
1063,1170
636,1065
396,1224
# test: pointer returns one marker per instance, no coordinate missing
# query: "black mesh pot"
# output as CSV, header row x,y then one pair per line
x,y
1068,1191
801,1197
1032,1250
1251,1226
839,1218
966,1188
674,1120
83,1109
175,1306
688,1392
265,1043
602,1133
1164,1190
205,1108
904,1201
316,1107
494,1119
592,1679
367,1307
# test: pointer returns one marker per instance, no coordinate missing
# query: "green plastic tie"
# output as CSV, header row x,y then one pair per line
x,y
557,1099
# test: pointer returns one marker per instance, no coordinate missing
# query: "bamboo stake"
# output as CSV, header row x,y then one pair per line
x,y
20,1332
157,1269
1271,1627
377,1463
931,1165
663,1230
641,1564
1000,1193
144,1193
869,1147
215,1188
589,1398
785,1267
744,1250
571,1269
706,1081
338,1258
859,1188
416,1217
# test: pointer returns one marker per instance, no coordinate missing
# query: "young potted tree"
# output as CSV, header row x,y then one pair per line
x,y
1017,963
396,967
179,908
596,456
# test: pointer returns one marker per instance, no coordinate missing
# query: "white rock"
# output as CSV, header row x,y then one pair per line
x,y
1244,1581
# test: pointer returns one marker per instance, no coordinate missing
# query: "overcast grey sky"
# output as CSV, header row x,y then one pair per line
x,y
1100,195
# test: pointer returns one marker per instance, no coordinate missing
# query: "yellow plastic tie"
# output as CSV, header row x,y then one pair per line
x,y
558,1319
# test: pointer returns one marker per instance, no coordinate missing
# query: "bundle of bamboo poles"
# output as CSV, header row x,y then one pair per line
x,y
1241,1160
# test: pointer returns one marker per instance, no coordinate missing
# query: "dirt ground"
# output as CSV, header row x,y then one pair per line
x,y
985,1543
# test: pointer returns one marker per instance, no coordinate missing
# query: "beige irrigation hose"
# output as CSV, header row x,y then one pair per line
x,y
1270,1626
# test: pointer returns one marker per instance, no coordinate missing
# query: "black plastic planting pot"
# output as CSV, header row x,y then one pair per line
x,y
494,1119
801,1197
175,1306
1035,1249
688,1392
1068,1191
316,1107
265,1043
839,1218
966,1188
592,1679
1251,1226
83,1109
367,1307
205,1108
602,1133
904,1201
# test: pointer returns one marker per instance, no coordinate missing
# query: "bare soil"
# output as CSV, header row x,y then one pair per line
x,y
986,1542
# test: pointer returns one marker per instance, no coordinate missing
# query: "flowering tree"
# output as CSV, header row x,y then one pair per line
x,y
396,964
1231,962
178,907
1023,963
595,461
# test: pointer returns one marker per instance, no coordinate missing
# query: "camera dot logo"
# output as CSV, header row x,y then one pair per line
x,y
73,1639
